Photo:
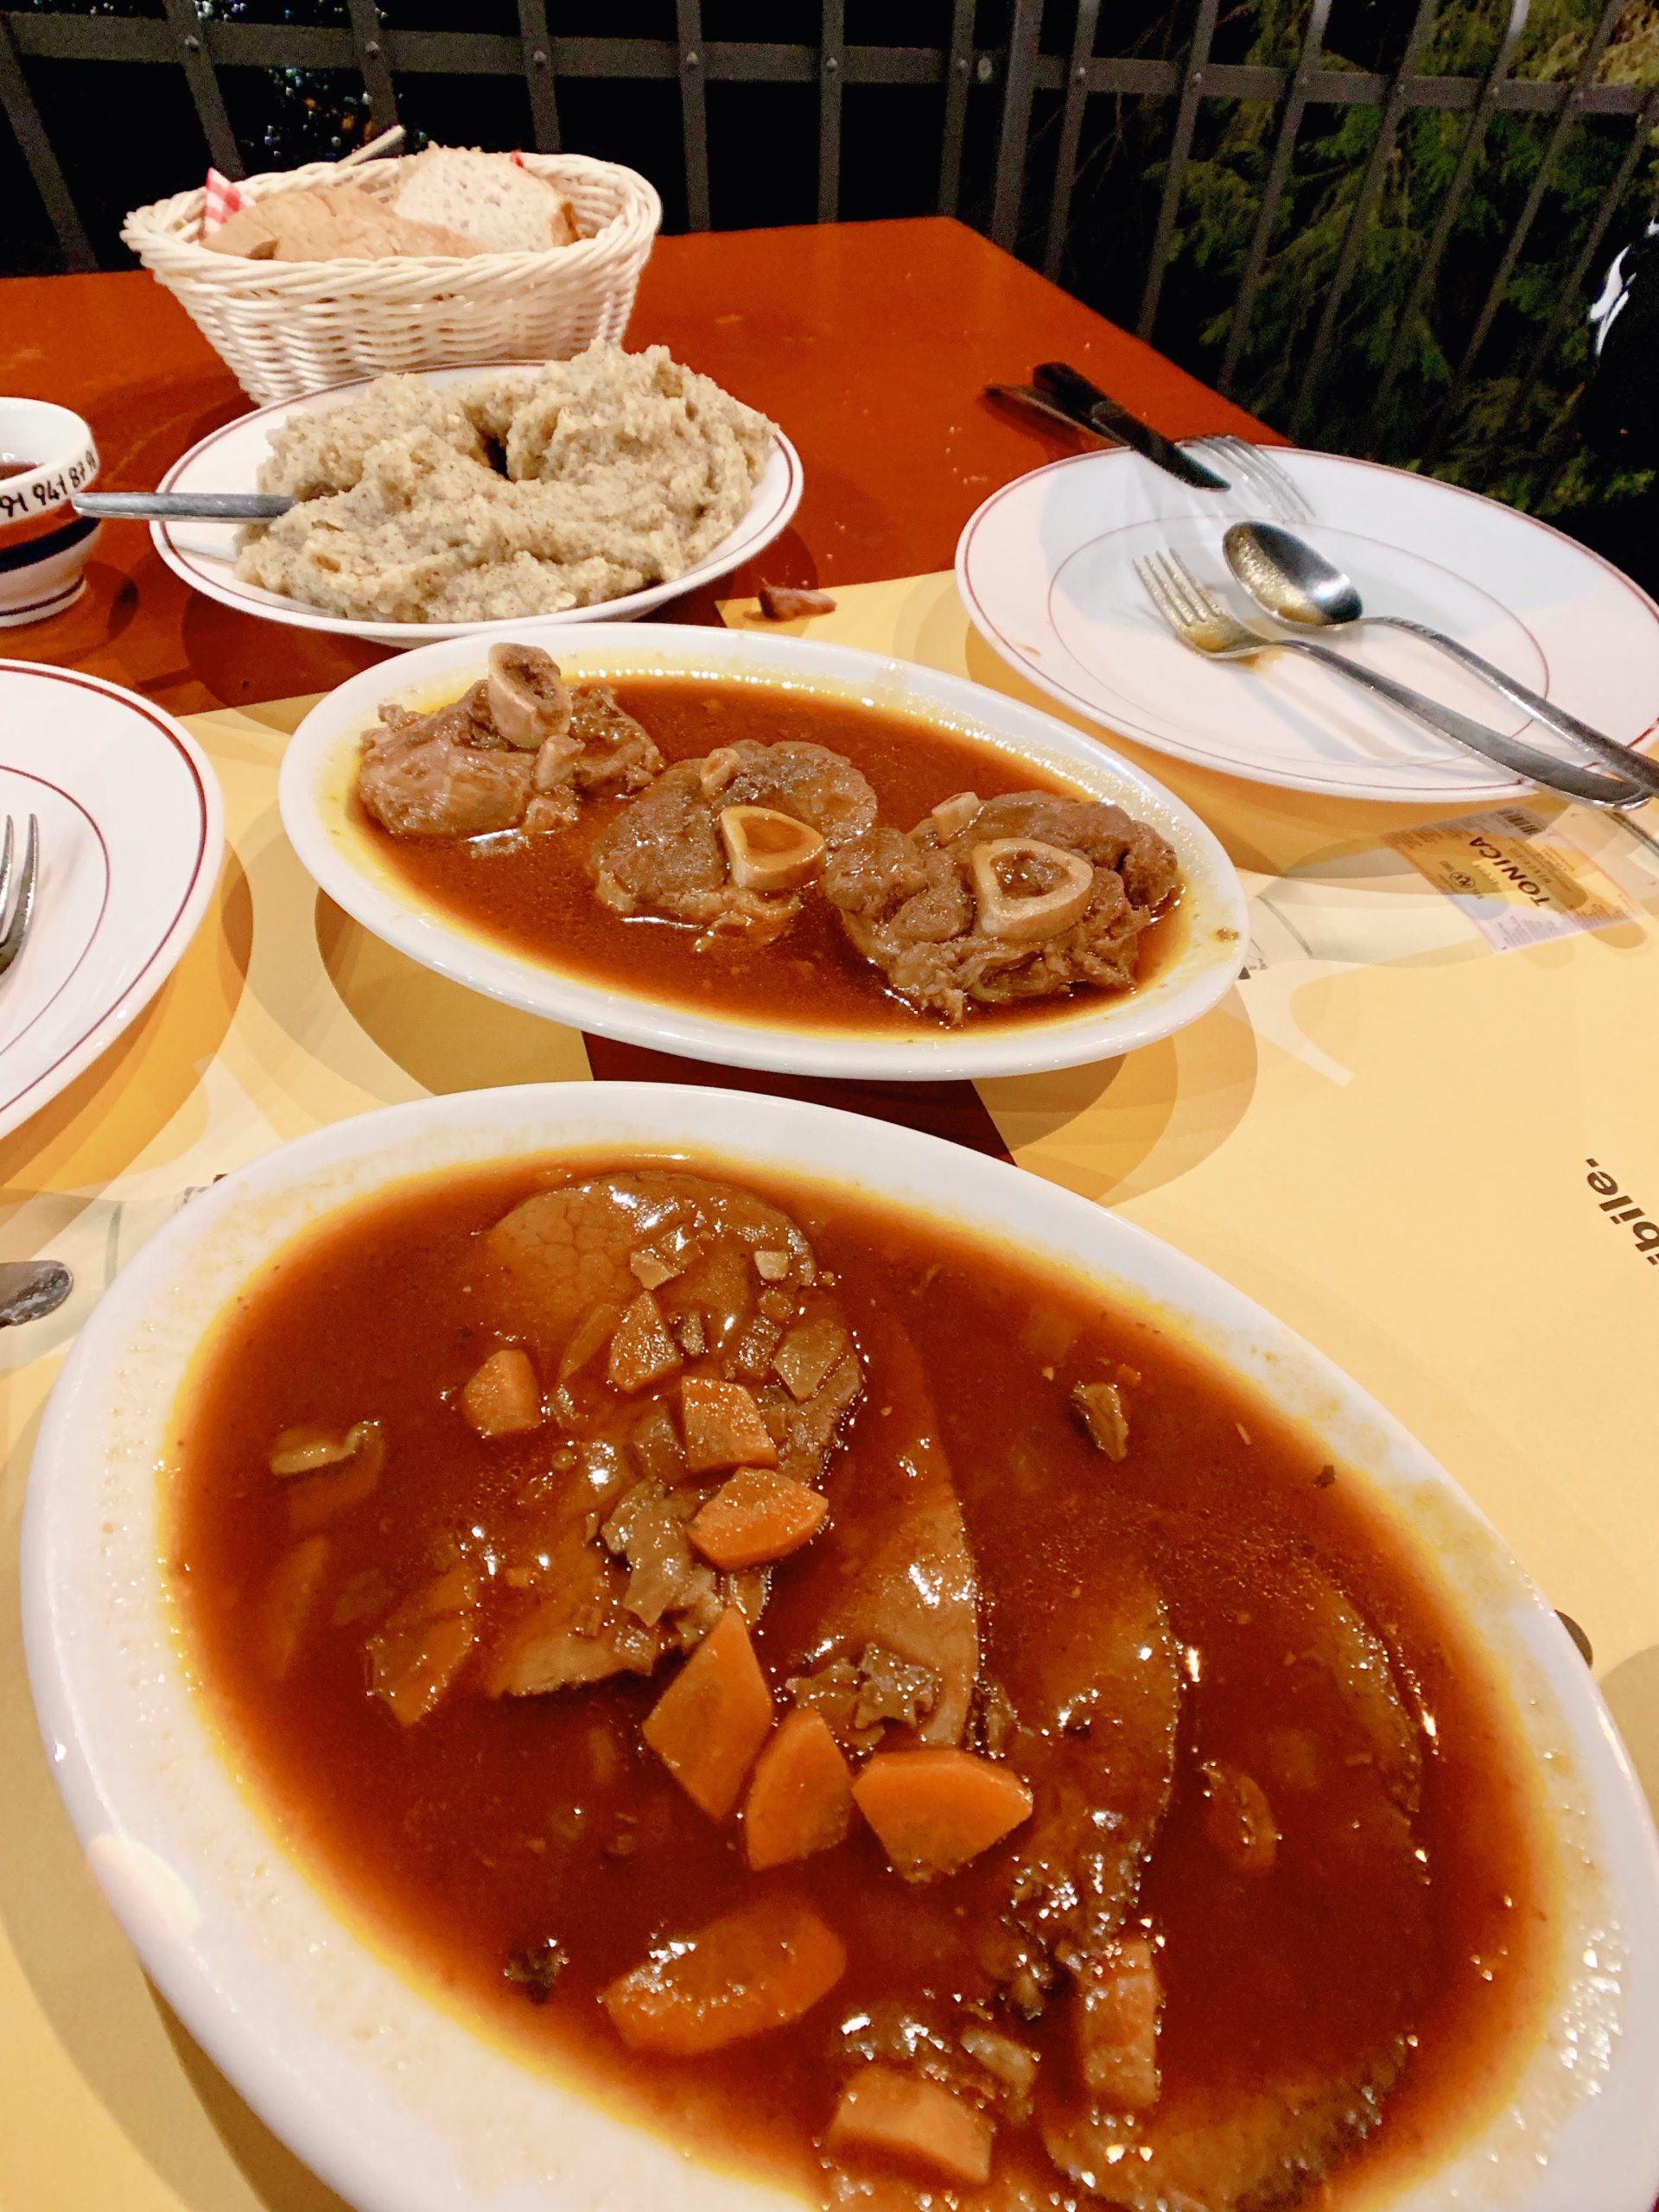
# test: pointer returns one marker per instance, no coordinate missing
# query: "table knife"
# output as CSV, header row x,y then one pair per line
x,y
1073,396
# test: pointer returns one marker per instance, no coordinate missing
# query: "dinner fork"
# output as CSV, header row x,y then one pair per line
x,y
15,917
1200,621
1270,485
1261,471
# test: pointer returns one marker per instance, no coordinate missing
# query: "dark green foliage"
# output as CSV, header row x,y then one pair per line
x,y
1487,440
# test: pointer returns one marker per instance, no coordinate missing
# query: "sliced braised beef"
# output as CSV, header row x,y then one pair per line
x,y
1123,1843
655,1307
1097,1701
571,1624
584,1245
425,1643
1021,898
1332,1650
1261,2149
898,1641
1243,2142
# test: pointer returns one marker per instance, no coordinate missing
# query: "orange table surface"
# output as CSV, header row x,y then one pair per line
x,y
868,342
1381,1133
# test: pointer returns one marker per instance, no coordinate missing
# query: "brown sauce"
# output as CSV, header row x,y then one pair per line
x,y
493,1826
536,897
10,467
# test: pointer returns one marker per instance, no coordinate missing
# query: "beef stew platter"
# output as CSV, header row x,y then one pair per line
x,y
765,851
797,859
883,1714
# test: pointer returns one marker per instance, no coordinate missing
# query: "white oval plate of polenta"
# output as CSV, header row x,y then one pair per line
x,y
230,458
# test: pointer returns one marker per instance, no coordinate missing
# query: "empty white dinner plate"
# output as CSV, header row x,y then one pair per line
x,y
346,857
229,459
131,832
1045,570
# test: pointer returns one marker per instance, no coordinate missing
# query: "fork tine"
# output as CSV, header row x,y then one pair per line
x,y
1153,585
1274,469
1178,586
1277,482
1234,454
5,868
1262,467
17,928
1158,592
1209,607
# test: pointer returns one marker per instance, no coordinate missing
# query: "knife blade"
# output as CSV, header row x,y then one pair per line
x,y
1087,404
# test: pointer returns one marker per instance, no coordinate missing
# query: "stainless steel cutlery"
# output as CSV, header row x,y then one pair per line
x,y
1199,619
182,506
1287,577
17,891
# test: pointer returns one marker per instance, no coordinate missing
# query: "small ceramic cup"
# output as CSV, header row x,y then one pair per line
x,y
45,453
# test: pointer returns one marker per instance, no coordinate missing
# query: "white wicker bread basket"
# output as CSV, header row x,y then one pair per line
x,y
287,327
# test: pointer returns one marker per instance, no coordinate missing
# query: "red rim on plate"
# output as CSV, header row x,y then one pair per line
x,y
1112,714
99,1025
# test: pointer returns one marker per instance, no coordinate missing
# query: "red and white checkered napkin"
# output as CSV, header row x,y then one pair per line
x,y
222,201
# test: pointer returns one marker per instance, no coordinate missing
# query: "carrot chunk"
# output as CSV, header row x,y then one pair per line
x,y
755,1969
707,1725
935,1808
723,1425
757,1515
801,1797
908,2118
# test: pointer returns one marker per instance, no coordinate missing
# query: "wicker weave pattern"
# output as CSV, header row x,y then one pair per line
x,y
287,327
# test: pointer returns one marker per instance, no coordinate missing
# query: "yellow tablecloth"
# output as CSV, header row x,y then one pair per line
x,y
1421,1129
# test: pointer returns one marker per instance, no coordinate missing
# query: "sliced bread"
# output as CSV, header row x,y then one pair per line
x,y
334,222
487,197
246,233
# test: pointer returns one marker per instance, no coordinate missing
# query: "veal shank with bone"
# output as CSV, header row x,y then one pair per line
x,y
985,904
517,752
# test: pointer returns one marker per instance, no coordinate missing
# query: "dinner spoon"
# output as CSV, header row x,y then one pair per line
x,y
182,506
29,1289
1285,575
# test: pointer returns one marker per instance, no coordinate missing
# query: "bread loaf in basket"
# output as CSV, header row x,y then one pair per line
x,y
287,327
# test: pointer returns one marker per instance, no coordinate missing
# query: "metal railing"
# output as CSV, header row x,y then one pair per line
x,y
1032,94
